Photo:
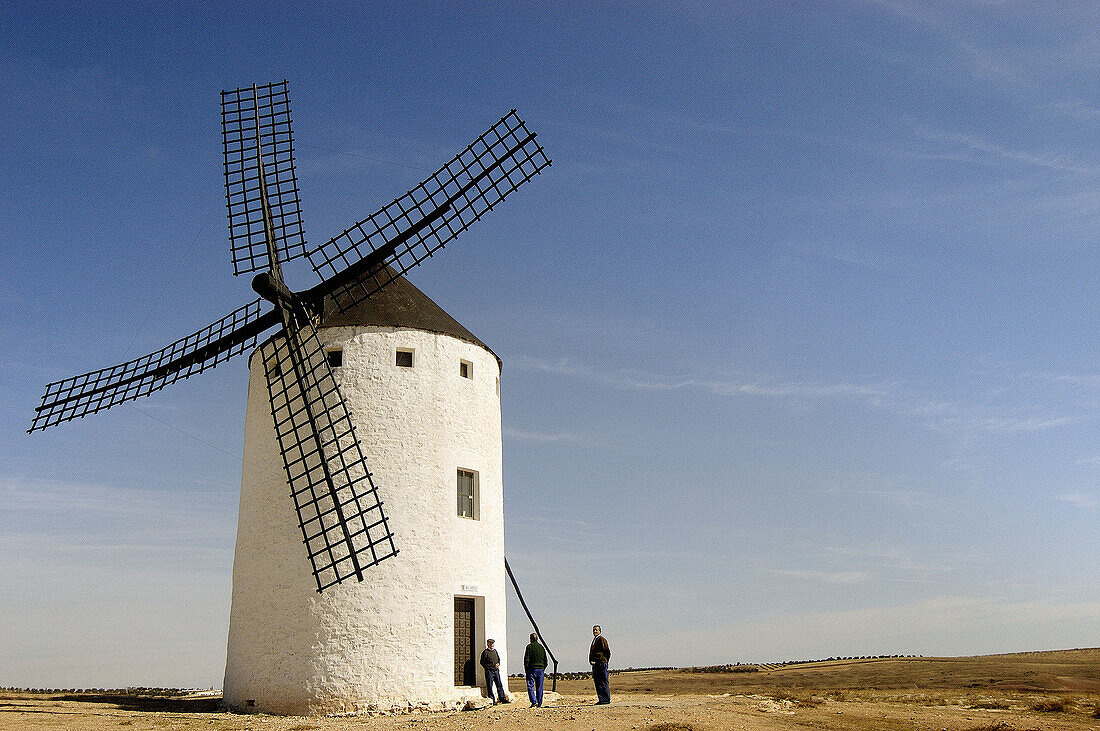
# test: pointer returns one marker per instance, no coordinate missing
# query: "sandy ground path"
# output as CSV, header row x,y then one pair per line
x,y
1049,691
634,711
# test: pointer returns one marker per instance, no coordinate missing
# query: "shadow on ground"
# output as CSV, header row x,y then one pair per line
x,y
202,704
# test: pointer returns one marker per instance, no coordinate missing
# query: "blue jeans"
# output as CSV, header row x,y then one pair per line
x,y
534,685
603,683
491,677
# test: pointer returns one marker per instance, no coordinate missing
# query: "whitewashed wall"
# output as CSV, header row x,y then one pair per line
x,y
387,642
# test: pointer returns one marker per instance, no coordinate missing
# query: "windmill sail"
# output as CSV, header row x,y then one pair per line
x,y
424,220
259,117
96,391
339,510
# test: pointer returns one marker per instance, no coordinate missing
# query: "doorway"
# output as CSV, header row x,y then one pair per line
x,y
464,642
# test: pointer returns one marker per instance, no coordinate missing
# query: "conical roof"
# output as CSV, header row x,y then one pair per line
x,y
400,304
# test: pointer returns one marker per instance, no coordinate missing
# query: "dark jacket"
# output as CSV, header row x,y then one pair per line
x,y
490,659
534,657
599,652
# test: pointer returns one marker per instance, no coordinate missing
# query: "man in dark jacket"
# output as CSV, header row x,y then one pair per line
x,y
534,667
599,655
490,660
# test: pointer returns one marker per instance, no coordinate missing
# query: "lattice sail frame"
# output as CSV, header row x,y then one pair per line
x,y
260,115
338,506
96,391
425,219
339,510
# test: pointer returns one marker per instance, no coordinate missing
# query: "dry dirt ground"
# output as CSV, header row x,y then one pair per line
x,y
1043,690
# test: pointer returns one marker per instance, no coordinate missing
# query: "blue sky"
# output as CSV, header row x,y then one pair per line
x,y
799,331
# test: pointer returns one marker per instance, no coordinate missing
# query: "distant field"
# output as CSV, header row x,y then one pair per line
x,y
1052,691
1061,671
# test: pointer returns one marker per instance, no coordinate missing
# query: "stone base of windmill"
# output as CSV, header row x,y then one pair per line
x,y
468,700
465,702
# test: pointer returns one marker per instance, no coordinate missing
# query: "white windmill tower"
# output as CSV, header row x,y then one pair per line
x,y
363,364
423,394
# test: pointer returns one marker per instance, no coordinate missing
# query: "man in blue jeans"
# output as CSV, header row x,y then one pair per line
x,y
534,666
490,660
599,655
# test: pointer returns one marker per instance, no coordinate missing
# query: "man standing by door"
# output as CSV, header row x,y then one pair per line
x,y
490,660
599,655
534,667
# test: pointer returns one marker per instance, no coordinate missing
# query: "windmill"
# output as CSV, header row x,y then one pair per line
x,y
314,641
344,528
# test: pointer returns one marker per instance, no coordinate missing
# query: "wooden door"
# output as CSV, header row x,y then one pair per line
x,y
464,642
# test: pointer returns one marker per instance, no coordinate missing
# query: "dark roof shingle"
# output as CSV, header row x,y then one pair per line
x,y
400,304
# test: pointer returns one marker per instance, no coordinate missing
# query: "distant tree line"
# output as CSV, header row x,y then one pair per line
x,y
727,668
588,674
853,657
738,668
134,690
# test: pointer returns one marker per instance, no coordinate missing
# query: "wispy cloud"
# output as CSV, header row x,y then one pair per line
x,y
53,496
1080,499
876,564
89,520
891,396
903,563
1004,60
1020,425
534,436
987,151
1086,380
906,498
845,578
1072,205
747,387
981,62
883,488
1076,109
946,609
945,625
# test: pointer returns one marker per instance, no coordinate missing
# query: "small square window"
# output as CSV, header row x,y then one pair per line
x,y
335,357
465,369
405,358
468,495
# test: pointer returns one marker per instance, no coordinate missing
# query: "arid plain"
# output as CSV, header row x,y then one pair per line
x,y
1026,691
